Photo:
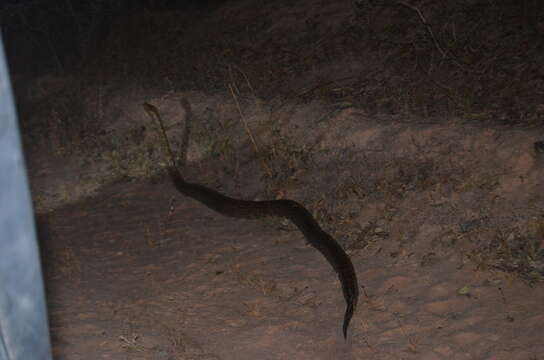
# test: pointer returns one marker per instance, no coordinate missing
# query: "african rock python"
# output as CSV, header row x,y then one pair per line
x,y
289,209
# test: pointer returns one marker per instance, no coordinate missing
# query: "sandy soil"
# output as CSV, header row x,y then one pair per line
x,y
347,107
428,212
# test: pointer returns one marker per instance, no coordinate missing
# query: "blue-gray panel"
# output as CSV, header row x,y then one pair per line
x,y
23,317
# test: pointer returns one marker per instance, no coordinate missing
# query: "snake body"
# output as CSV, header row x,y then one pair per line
x,y
289,209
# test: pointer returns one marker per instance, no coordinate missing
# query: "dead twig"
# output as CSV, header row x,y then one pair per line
x,y
248,131
427,27
435,41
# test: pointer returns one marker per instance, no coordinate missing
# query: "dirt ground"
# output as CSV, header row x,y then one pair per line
x,y
429,214
412,130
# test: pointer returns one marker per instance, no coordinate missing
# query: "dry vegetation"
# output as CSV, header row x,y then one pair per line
x,y
278,91
425,60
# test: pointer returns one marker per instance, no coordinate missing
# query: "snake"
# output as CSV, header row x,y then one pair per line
x,y
283,208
